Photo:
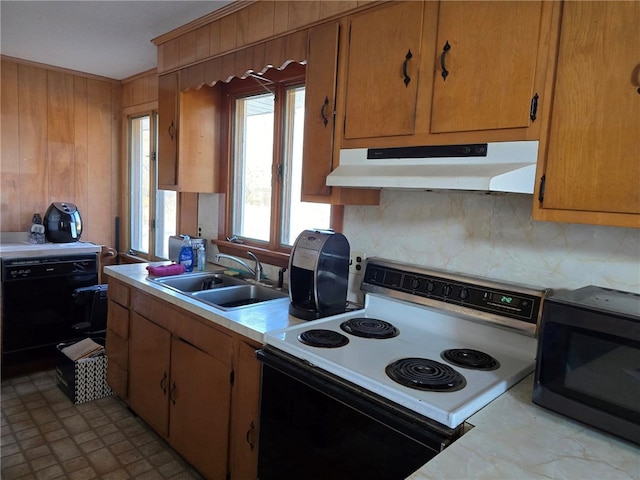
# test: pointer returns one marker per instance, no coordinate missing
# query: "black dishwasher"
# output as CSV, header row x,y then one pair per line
x,y
38,307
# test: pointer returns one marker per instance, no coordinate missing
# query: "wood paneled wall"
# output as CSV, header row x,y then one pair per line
x,y
60,134
140,89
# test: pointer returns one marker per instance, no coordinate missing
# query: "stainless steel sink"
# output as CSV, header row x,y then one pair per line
x,y
237,296
219,290
195,282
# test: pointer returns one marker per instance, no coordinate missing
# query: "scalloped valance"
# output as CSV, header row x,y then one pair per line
x,y
275,53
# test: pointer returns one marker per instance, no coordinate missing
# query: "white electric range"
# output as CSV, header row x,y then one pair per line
x,y
439,344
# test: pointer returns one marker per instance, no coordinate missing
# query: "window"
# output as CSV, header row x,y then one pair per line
x,y
152,212
267,126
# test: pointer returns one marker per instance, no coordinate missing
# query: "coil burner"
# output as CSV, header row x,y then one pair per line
x,y
323,338
425,374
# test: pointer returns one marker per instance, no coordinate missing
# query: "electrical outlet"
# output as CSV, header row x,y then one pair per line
x,y
356,263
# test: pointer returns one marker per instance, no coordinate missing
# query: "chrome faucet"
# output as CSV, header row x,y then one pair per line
x,y
256,272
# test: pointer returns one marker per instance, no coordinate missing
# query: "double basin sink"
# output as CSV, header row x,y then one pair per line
x,y
221,291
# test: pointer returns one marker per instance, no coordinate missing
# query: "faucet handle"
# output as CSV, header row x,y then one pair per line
x,y
258,266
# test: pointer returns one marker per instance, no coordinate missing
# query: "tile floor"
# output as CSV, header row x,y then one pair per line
x,y
45,436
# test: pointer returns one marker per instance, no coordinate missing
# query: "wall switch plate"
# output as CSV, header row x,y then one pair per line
x,y
356,263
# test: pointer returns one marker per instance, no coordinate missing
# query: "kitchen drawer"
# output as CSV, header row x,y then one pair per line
x,y
152,309
118,319
179,323
119,293
206,338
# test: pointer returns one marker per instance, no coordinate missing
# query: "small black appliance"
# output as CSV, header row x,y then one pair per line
x,y
318,274
588,361
62,223
92,301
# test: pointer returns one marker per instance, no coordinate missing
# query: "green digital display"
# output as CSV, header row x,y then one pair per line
x,y
505,299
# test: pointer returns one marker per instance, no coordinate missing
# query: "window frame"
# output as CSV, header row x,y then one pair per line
x,y
151,111
277,81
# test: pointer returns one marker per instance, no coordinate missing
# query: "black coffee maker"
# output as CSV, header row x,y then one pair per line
x,y
318,274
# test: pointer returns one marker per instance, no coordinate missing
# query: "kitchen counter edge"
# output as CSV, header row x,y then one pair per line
x,y
251,322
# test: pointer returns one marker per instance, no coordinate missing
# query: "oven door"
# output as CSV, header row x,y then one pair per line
x,y
316,426
588,368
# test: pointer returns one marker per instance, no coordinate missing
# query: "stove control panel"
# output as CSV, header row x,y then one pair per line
x,y
474,293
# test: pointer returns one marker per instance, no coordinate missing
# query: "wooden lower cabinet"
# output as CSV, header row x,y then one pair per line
x,y
149,363
245,412
200,397
197,385
117,346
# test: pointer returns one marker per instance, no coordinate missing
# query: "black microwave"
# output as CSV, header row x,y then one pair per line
x,y
588,362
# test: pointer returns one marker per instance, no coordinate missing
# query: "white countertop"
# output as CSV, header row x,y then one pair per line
x,y
515,439
251,322
17,244
512,437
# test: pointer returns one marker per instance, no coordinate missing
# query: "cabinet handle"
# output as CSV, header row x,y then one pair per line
x,y
533,111
323,114
443,55
163,384
172,393
407,78
171,130
252,427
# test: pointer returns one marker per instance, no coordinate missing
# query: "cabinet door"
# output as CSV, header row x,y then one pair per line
x,y
320,88
592,159
198,144
149,354
167,157
382,76
485,65
200,400
117,348
245,413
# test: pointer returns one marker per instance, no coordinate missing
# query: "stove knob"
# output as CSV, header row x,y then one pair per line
x,y
464,294
415,283
446,290
430,286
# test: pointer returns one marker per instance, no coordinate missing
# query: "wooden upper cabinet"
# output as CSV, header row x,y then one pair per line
x,y
592,165
199,141
319,119
167,155
382,72
188,136
485,65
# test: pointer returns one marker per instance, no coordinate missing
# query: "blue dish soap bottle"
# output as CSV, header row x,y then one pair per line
x,y
185,257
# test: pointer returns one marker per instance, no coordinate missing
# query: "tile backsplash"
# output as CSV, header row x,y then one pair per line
x,y
486,235
494,236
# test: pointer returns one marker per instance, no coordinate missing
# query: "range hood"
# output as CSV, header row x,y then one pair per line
x,y
487,167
